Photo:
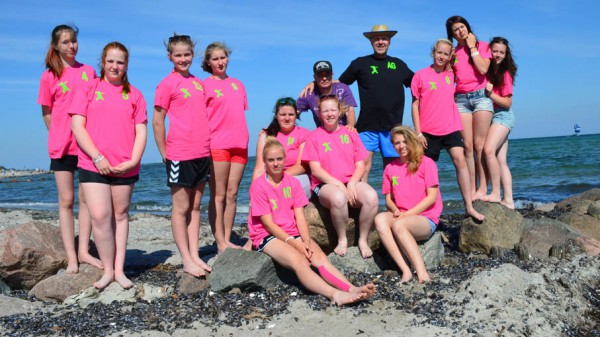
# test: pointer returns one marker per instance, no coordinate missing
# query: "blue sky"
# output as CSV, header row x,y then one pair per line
x,y
275,44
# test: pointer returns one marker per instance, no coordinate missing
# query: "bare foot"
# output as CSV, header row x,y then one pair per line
x,y
491,198
342,297
368,290
72,268
341,248
406,277
508,204
104,281
424,278
233,245
248,245
365,250
123,281
89,259
201,264
194,270
476,215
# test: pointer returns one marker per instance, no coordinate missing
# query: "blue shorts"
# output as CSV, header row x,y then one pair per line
x,y
504,117
473,101
432,226
379,141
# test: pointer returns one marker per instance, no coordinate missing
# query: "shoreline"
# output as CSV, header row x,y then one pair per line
x,y
15,173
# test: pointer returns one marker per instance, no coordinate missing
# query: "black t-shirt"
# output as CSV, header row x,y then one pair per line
x,y
380,87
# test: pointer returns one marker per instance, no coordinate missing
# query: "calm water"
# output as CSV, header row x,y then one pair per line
x,y
544,170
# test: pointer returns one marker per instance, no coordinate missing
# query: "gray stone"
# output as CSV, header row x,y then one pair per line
x,y
432,251
594,209
353,262
522,252
30,253
247,270
546,207
13,306
585,224
544,233
4,288
188,284
502,227
62,285
114,293
580,203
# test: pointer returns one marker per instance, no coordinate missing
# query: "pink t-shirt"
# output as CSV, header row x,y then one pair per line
x,y
226,102
468,79
438,114
337,152
184,100
58,93
506,89
409,189
111,117
291,144
278,201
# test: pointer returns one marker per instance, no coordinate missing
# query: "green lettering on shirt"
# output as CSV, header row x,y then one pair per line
x,y
344,139
394,180
198,86
391,65
273,203
185,92
374,70
125,95
447,79
234,86
290,141
84,76
433,85
218,92
64,87
327,147
287,192
99,96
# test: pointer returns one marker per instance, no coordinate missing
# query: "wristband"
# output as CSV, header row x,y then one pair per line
x,y
419,135
98,158
474,54
288,238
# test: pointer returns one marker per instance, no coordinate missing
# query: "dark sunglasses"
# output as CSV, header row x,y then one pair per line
x,y
286,100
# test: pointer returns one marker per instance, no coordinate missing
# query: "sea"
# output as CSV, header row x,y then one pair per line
x,y
544,170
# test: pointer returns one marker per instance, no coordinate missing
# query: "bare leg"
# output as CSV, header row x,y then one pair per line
x,y
85,231
368,164
180,225
383,224
121,198
369,204
236,173
66,221
334,199
462,176
496,138
467,134
219,175
481,125
506,176
193,228
407,230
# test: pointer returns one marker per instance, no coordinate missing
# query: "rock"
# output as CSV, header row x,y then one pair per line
x,y
353,262
63,285
580,203
522,252
188,284
13,306
544,233
545,207
589,245
247,270
594,209
114,293
30,253
585,224
502,227
432,251
323,233
4,289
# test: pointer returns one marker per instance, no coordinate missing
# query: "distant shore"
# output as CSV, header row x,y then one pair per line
x,y
9,173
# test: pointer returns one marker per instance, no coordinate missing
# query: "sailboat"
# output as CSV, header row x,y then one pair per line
x,y
576,129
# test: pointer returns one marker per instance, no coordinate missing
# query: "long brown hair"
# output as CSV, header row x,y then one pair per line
x,y
496,73
53,60
121,47
415,149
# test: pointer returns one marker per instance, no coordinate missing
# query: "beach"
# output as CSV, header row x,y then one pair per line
x,y
471,294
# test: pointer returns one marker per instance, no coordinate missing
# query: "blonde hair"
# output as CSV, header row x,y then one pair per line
x,y
415,149
208,52
272,143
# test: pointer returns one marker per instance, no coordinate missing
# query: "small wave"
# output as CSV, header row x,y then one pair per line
x,y
33,205
150,208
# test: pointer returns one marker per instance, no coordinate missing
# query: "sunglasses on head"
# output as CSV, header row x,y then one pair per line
x,y
286,100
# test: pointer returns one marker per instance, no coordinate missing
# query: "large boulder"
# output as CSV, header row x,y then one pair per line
x,y
13,306
501,228
353,262
584,223
432,251
589,245
30,253
115,293
63,285
594,209
580,203
545,233
323,233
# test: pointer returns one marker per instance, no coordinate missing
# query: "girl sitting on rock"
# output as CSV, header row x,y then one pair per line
x,y
412,196
277,227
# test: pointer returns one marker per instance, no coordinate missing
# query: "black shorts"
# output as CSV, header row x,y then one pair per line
x,y
436,143
268,239
86,176
65,163
187,173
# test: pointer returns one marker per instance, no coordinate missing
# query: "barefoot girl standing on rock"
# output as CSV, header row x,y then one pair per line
x,y
64,75
412,196
278,228
109,123
185,150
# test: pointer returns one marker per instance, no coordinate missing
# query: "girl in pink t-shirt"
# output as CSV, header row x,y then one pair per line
x,y
185,150
110,128
278,228
63,77
337,163
226,101
412,196
476,109
436,118
500,89
284,128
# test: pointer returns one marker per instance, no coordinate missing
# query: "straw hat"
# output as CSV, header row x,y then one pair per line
x,y
380,30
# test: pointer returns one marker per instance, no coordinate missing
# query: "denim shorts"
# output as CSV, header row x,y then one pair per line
x,y
432,226
379,141
473,101
504,117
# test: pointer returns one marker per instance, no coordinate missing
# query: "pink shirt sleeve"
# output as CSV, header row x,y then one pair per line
x,y
507,88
